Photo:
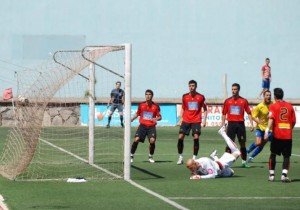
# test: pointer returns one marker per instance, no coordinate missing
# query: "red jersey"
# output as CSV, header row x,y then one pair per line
x,y
147,113
284,118
235,109
192,107
266,71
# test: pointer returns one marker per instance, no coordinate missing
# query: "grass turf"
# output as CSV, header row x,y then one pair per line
x,y
248,189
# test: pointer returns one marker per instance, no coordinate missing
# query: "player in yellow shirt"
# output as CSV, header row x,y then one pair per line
x,y
260,114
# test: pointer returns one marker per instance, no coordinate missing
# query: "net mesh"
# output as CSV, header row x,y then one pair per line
x,y
49,139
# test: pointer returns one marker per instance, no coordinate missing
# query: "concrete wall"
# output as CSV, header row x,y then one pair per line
x,y
53,116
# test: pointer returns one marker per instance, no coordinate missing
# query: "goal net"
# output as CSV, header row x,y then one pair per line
x,y
57,134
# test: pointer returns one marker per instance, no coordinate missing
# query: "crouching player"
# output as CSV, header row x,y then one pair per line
x,y
206,168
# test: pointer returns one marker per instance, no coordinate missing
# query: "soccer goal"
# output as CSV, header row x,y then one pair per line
x,y
57,134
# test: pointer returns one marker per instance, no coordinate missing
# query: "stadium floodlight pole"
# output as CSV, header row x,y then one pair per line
x,y
91,112
67,67
127,137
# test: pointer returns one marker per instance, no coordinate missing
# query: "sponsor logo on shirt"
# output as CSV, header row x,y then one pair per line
x,y
235,110
193,105
147,115
284,125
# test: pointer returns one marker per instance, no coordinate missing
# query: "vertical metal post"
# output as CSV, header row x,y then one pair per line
x,y
91,112
127,113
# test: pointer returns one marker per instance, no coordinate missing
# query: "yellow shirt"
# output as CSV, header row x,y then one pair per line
x,y
261,112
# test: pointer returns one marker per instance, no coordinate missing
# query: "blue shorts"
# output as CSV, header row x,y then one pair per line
x,y
265,84
261,134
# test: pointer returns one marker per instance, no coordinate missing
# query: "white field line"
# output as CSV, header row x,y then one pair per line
x,y
165,199
232,198
80,158
2,204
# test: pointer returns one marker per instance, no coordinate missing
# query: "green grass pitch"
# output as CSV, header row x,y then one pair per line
x,y
248,189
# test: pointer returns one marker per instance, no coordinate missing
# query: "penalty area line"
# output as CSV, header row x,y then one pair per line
x,y
163,198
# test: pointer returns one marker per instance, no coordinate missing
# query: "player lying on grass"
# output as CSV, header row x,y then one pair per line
x,y
206,168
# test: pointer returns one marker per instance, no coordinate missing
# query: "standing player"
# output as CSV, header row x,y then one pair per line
x,y
282,120
190,119
149,113
234,108
116,100
205,168
266,77
260,115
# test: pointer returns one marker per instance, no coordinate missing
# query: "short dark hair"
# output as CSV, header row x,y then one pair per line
x,y
149,91
267,59
266,91
118,82
236,85
278,93
193,82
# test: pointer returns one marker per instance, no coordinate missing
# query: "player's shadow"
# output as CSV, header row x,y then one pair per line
x,y
147,172
252,166
234,176
160,161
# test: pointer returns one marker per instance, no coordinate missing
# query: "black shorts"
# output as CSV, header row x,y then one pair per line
x,y
236,129
143,131
283,147
185,128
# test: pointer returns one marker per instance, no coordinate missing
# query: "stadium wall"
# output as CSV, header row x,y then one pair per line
x,y
72,114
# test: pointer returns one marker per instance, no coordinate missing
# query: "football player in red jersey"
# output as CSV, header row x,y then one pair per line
x,y
191,118
149,113
282,119
234,108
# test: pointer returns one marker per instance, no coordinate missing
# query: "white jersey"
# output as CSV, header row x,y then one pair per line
x,y
220,168
208,168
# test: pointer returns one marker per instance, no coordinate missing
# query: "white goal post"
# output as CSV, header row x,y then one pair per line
x,y
43,145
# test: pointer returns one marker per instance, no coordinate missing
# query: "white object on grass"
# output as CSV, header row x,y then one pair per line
x,y
75,180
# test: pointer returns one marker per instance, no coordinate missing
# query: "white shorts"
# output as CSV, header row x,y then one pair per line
x,y
227,160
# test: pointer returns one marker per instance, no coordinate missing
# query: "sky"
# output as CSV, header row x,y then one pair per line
x,y
172,41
